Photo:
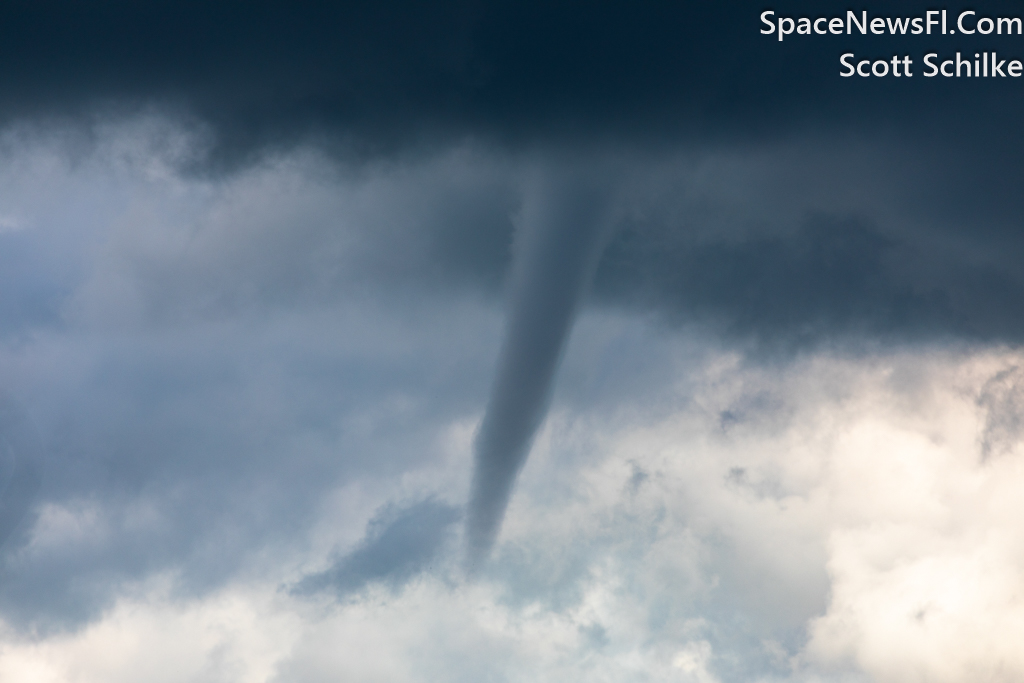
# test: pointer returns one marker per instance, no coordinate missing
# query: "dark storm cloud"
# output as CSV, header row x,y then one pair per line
x,y
657,78
400,542
376,76
832,276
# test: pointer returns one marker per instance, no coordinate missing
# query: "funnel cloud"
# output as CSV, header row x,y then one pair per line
x,y
563,227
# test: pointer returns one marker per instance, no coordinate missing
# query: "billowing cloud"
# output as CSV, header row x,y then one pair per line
x,y
845,527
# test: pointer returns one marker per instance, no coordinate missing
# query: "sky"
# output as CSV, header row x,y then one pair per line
x,y
506,341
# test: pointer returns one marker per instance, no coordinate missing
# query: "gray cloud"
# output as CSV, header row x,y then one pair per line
x,y
20,467
400,542
198,452
1002,400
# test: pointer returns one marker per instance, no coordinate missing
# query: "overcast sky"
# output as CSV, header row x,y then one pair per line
x,y
506,341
